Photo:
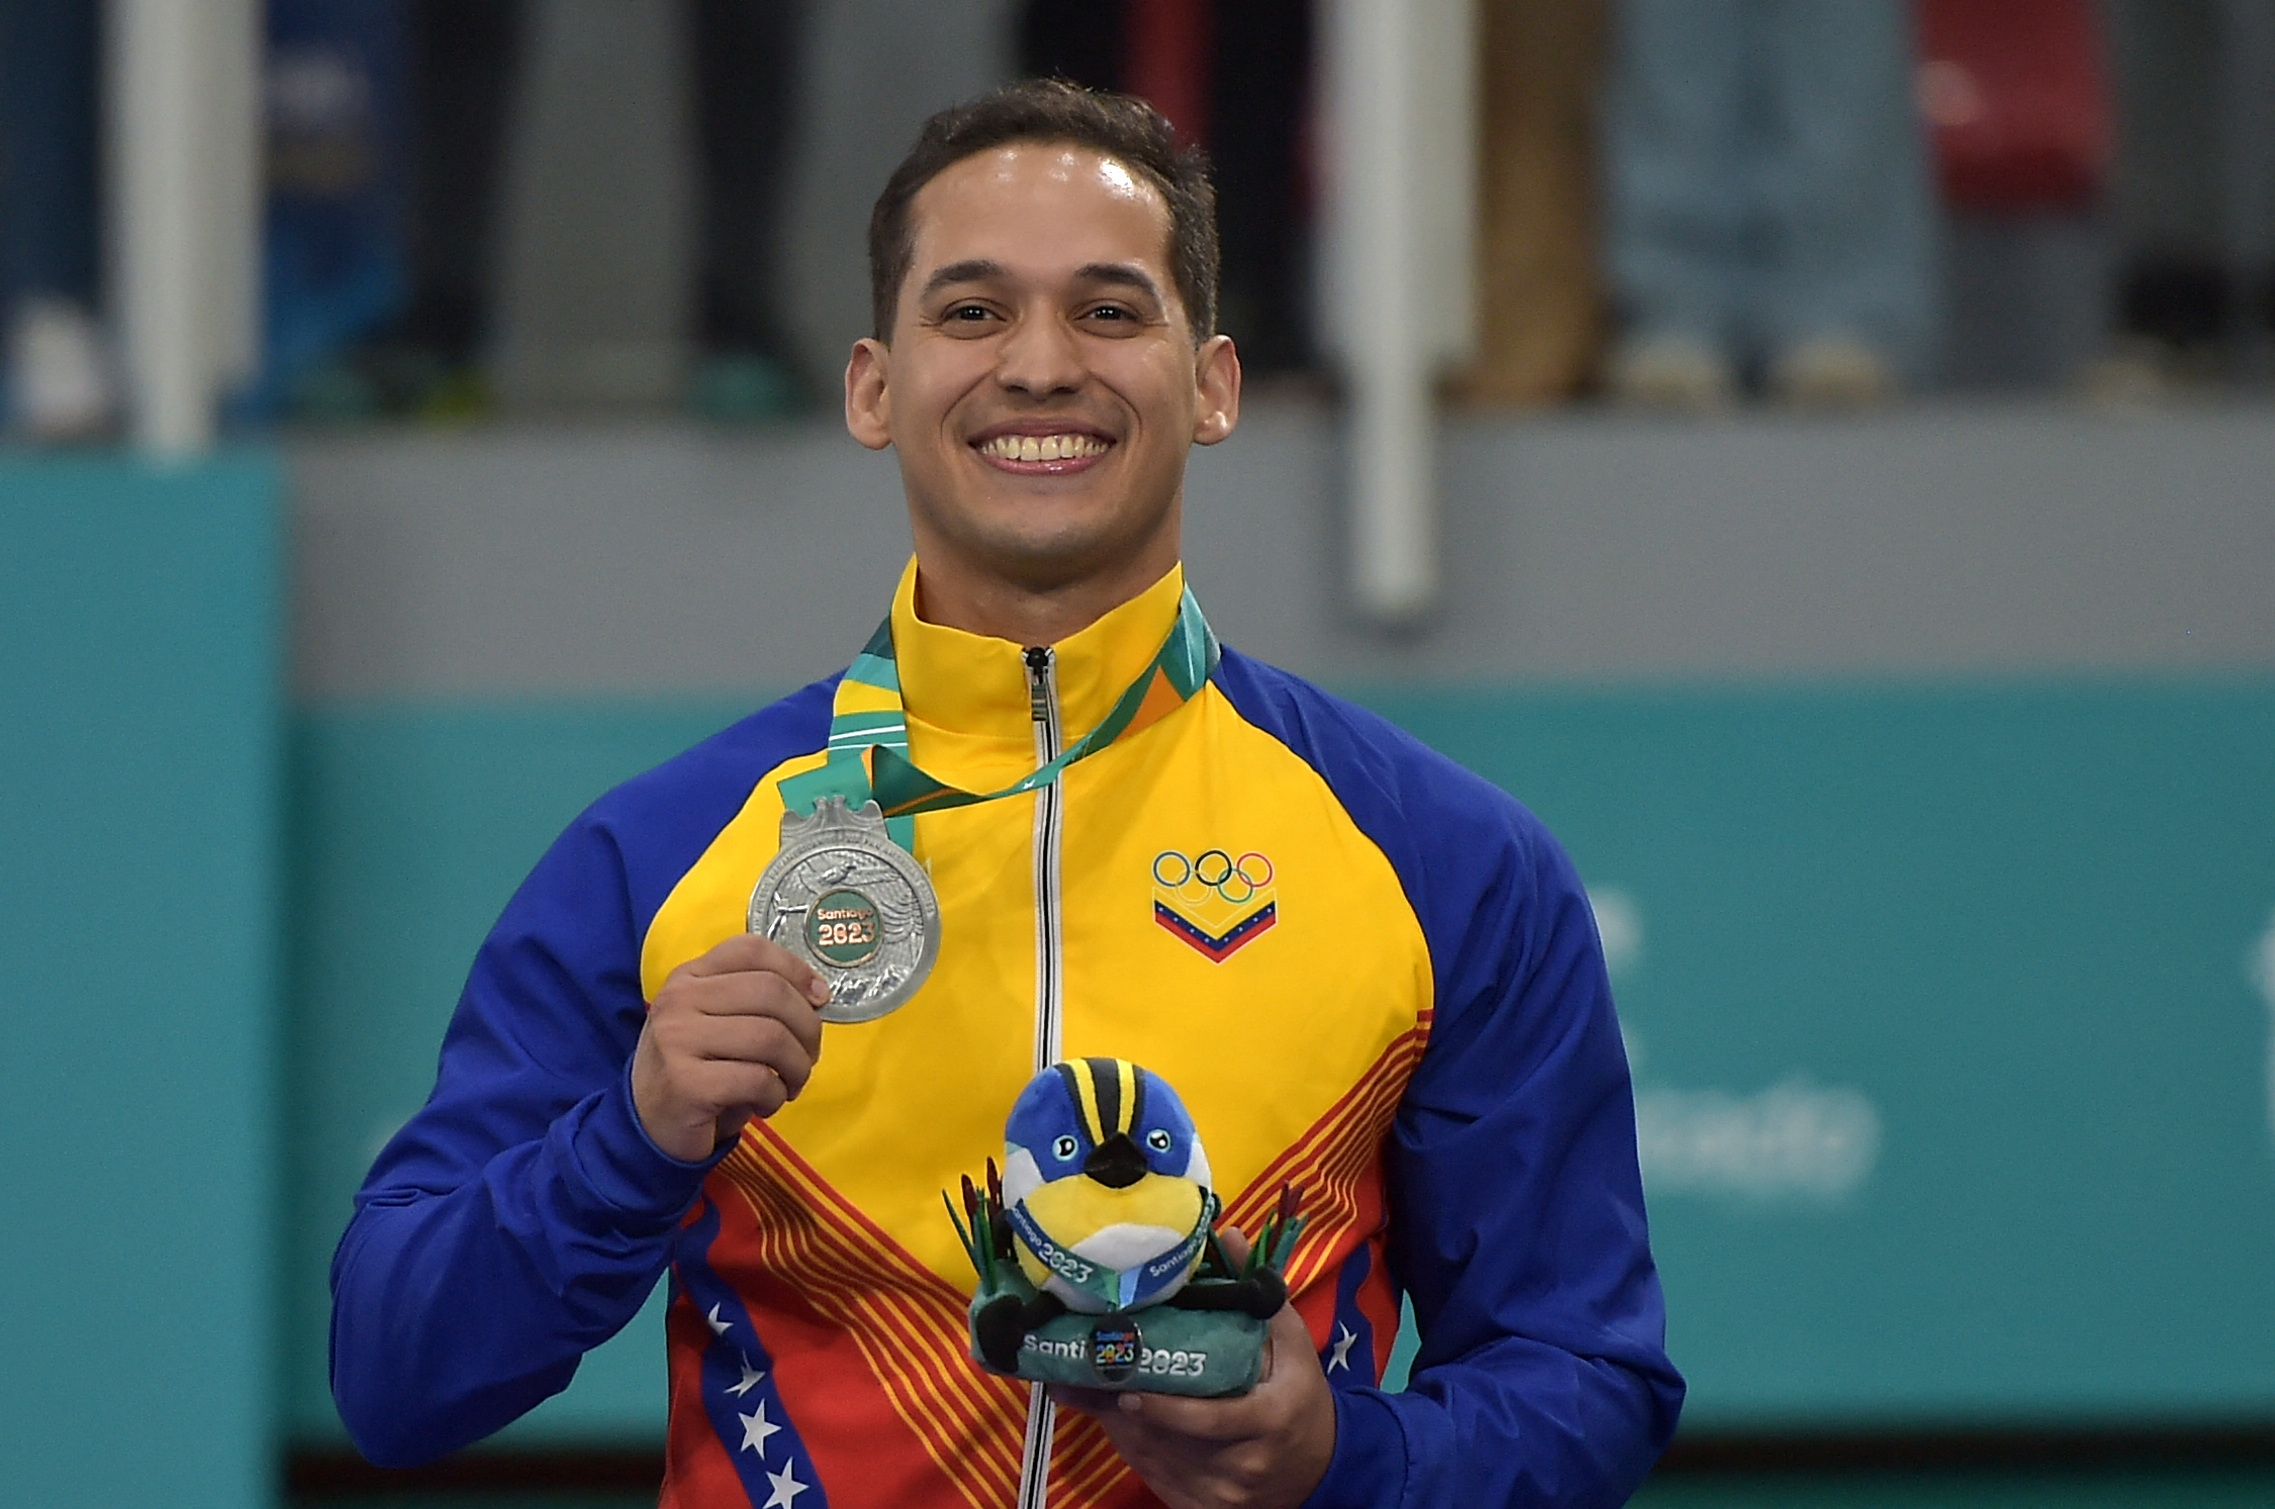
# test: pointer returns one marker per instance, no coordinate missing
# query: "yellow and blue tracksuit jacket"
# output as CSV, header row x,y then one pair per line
x,y
1366,971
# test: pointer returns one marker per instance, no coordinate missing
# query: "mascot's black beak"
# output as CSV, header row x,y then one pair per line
x,y
1116,1163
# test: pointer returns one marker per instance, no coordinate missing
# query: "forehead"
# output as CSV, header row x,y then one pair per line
x,y
1039,207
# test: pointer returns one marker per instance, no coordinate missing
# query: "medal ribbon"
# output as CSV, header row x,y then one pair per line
x,y
868,742
1120,1288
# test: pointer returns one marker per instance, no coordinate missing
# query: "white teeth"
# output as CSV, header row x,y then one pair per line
x,y
1061,447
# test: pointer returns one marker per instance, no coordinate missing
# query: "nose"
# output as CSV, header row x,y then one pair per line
x,y
1116,1162
1039,357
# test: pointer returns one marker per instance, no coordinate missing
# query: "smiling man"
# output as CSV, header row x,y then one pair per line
x,y
1364,971
1042,376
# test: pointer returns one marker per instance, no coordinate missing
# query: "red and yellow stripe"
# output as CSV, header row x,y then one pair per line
x,y
817,1252
1338,1165
816,1273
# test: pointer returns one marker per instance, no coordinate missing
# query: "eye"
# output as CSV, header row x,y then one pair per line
x,y
1158,1140
969,317
1065,1148
1113,319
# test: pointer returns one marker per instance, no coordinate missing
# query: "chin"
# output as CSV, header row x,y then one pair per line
x,y
1045,562
1041,541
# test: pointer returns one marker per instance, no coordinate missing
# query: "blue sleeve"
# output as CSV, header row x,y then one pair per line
x,y
524,1215
1516,1209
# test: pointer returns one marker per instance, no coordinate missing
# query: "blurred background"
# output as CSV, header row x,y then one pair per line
x,y
1820,454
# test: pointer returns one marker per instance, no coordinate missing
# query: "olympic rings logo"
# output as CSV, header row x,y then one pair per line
x,y
1235,881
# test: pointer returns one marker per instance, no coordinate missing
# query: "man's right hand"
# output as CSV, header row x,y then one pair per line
x,y
731,1035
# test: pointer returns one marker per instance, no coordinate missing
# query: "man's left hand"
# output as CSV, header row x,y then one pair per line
x,y
1265,1449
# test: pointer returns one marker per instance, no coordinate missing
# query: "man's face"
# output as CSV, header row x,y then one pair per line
x,y
1042,387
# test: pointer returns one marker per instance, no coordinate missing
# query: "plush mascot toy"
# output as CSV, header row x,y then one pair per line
x,y
1096,1248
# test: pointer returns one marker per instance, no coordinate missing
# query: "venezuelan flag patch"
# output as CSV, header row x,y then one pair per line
x,y
1215,902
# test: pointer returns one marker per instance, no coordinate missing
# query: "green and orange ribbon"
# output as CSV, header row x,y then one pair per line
x,y
868,729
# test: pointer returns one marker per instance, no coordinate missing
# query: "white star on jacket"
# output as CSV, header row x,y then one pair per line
x,y
1345,1339
757,1430
718,1327
749,1381
786,1487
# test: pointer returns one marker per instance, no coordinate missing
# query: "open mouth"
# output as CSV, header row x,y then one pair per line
x,y
1049,454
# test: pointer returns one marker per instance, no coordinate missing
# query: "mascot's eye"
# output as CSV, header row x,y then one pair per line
x,y
1065,1148
1158,1140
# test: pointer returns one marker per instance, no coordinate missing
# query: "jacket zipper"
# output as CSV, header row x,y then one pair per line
x,y
1043,706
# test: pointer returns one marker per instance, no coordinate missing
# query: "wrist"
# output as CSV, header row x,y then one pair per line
x,y
638,1183
1367,1463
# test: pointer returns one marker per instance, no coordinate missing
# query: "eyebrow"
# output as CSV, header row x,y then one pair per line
x,y
975,270
1121,274
982,270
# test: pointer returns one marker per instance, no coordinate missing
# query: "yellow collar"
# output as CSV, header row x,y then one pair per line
x,y
975,686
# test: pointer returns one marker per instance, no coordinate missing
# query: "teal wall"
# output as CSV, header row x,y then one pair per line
x,y
139,780
1952,1057
2178,1489
410,828
1951,1018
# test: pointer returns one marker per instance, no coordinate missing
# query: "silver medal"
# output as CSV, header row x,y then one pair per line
x,y
844,897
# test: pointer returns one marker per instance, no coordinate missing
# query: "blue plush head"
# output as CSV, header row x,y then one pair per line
x,y
1102,1169
1105,1117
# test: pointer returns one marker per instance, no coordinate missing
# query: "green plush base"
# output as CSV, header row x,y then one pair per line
x,y
1157,1350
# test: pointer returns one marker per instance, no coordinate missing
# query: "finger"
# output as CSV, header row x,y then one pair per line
x,y
752,994
763,1041
690,1040
1089,1401
737,1089
1289,1335
748,952
1230,1417
1235,1416
1235,1243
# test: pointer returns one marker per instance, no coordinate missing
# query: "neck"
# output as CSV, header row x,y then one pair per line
x,y
1029,615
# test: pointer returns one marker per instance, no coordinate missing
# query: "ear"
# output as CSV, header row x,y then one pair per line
x,y
1217,373
868,404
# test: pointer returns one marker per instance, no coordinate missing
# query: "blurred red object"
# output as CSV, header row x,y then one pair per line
x,y
1169,62
2017,97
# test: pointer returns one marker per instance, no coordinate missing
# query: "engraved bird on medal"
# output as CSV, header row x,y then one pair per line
x,y
844,897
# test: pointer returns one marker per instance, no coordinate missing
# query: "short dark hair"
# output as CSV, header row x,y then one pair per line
x,y
1119,126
